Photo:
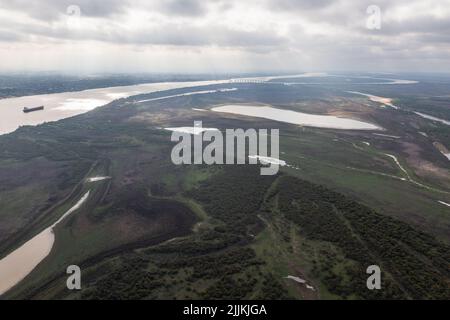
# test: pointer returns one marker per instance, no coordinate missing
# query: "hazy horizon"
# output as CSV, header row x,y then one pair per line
x,y
221,74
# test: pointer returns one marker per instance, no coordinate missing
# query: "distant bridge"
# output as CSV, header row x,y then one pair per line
x,y
248,81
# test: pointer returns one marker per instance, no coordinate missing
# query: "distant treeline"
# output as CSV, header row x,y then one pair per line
x,y
33,84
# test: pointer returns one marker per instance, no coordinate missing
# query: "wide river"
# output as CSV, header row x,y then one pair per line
x,y
19,263
67,104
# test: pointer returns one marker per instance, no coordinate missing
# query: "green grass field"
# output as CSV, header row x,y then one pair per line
x,y
160,231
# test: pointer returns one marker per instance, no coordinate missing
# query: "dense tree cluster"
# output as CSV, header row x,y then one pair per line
x,y
219,255
416,263
234,197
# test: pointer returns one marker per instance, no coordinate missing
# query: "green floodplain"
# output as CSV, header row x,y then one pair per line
x,y
348,200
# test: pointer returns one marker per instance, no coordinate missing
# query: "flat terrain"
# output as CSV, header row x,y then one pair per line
x,y
347,200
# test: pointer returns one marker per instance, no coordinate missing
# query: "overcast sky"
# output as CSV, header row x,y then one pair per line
x,y
223,35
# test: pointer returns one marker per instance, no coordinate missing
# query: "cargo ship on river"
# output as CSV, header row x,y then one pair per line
x,y
28,110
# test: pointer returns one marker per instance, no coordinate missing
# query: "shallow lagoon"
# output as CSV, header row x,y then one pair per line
x,y
299,118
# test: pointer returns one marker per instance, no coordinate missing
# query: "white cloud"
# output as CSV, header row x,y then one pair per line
x,y
222,35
